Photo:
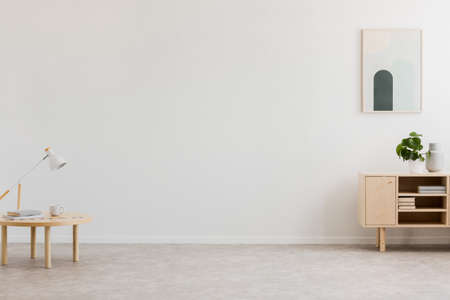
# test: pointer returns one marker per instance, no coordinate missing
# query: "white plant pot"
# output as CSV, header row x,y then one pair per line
x,y
416,166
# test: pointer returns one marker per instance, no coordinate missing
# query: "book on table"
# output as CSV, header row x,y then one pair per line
x,y
24,217
23,213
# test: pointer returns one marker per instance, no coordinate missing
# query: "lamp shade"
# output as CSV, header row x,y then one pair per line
x,y
55,161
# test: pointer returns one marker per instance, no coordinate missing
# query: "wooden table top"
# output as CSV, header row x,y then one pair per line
x,y
47,220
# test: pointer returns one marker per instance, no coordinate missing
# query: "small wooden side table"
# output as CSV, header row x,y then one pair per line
x,y
47,221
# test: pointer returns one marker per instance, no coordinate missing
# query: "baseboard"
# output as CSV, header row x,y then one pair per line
x,y
125,239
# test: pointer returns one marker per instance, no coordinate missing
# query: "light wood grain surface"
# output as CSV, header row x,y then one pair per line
x,y
48,249
47,220
405,174
33,242
380,200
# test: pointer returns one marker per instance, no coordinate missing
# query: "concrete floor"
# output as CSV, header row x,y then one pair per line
x,y
228,272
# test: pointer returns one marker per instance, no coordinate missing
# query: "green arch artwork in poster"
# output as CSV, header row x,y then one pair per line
x,y
382,91
391,70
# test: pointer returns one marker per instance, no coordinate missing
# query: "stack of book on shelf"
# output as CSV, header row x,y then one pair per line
x,y
406,204
431,189
23,214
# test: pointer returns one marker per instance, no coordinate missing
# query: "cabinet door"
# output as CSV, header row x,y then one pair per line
x,y
380,201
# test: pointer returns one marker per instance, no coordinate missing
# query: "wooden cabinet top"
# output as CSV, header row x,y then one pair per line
x,y
406,174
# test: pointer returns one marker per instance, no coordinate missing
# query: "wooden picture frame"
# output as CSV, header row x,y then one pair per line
x,y
391,70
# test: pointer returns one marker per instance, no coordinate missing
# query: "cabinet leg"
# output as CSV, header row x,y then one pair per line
x,y
33,242
48,250
4,245
75,244
378,238
382,239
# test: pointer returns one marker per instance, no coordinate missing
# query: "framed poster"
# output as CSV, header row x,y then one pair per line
x,y
391,70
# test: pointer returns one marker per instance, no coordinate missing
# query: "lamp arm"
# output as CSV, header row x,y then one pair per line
x,y
23,176
29,171
4,194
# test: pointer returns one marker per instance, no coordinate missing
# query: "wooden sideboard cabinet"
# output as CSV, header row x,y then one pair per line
x,y
379,194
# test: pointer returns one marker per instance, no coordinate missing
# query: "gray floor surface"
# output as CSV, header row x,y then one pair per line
x,y
228,272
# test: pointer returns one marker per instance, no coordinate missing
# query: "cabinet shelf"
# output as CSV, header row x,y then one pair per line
x,y
421,195
422,224
422,210
433,217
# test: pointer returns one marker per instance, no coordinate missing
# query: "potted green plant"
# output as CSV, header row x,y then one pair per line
x,y
410,150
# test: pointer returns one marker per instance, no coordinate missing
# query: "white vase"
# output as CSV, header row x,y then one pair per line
x,y
435,158
416,166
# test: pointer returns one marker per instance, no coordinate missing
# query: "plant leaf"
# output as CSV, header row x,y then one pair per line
x,y
414,143
405,153
409,148
399,149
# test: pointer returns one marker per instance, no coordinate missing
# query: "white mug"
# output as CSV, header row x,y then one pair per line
x,y
56,210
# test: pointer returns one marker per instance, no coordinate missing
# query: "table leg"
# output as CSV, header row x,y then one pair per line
x,y
75,244
33,242
48,250
4,245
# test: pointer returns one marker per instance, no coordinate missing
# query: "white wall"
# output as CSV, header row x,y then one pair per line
x,y
207,121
